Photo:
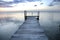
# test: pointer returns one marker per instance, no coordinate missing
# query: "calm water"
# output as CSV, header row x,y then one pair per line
x,y
49,21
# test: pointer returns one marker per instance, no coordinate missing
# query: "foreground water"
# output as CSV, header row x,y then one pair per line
x,y
49,21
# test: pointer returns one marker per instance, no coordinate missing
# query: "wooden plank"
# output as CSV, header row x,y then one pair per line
x,y
30,30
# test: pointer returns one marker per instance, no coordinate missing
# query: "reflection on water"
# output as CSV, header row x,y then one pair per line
x,y
50,22
9,23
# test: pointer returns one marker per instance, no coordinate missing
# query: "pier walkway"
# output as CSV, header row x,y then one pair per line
x,y
30,30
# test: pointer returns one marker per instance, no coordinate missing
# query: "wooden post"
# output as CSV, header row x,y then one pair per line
x,y
38,15
25,12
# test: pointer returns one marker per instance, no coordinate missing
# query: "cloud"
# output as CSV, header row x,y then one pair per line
x,y
31,6
8,0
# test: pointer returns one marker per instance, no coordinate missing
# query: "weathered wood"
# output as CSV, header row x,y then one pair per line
x,y
37,16
30,30
25,14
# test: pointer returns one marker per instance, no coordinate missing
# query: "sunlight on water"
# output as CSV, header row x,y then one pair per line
x,y
19,16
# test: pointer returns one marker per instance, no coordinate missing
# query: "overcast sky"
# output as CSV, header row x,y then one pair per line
x,y
28,5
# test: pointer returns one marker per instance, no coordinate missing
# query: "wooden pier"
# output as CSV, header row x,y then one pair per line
x,y
30,30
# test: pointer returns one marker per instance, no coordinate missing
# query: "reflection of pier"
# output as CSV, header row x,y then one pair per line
x,y
30,30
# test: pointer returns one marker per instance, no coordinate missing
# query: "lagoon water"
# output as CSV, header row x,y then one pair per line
x,y
11,21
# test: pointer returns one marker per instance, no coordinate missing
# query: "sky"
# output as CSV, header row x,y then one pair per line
x,y
17,5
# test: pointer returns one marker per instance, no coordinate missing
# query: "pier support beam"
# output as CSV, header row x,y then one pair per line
x,y
37,16
25,12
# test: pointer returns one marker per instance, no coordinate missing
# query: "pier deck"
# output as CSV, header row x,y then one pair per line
x,y
30,30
